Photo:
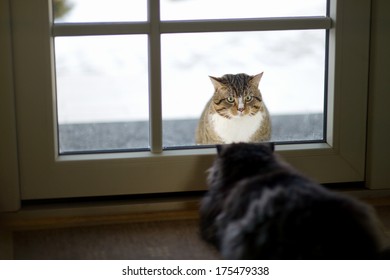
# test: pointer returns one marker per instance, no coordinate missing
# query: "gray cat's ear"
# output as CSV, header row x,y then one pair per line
x,y
219,149
216,83
271,146
256,79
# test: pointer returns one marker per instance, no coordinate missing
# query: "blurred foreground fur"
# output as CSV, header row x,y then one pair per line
x,y
258,207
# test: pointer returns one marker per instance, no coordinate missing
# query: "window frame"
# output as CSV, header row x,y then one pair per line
x,y
44,174
9,172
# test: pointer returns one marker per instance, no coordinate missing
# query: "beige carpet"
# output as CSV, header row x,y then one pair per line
x,y
144,240
169,239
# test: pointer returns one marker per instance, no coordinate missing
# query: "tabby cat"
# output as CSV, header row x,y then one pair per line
x,y
235,113
258,207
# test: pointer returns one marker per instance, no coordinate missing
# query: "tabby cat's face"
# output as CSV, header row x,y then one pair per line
x,y
237,95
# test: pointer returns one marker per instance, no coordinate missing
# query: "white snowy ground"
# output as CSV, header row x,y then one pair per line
x,y
104,78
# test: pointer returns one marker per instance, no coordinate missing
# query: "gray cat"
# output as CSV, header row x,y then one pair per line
x,y
258,207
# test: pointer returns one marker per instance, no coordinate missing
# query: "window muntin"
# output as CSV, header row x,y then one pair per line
x,y
84,132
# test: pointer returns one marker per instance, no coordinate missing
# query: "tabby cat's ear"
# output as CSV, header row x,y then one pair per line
x,y
256,79
216,82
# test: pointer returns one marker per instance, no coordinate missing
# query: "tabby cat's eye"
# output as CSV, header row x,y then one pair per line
x,y
248,98
230,99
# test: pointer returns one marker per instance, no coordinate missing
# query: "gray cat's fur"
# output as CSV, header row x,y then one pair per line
x,y
258,207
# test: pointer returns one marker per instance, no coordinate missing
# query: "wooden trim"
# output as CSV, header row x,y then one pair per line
x,y
98,213
9,169
102,213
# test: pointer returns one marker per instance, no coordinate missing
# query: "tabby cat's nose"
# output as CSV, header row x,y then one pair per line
x,y
241,109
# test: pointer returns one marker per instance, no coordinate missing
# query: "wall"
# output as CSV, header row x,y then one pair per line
x,y
378,149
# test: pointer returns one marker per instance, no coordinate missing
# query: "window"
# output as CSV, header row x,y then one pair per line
x,y
48,172
292,86
102,80
95,75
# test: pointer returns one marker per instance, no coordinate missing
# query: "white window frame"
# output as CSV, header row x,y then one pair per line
x,y
44,174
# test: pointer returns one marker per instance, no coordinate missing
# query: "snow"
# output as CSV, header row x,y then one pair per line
x,y
104,78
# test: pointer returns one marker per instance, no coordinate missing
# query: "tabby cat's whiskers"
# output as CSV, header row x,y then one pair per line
x,y
235,113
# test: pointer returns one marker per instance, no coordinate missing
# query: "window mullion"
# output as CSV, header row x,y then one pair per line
x,y
154,53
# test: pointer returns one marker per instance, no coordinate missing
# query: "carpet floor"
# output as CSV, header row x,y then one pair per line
x,y
174,239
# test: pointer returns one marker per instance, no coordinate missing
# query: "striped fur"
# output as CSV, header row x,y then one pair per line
x,y
237,104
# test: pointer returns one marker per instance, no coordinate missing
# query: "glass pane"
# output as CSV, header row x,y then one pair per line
x,y
223,9
292,85
102,92
99,10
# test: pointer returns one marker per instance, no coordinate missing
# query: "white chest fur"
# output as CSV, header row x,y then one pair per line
x,y
238,129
